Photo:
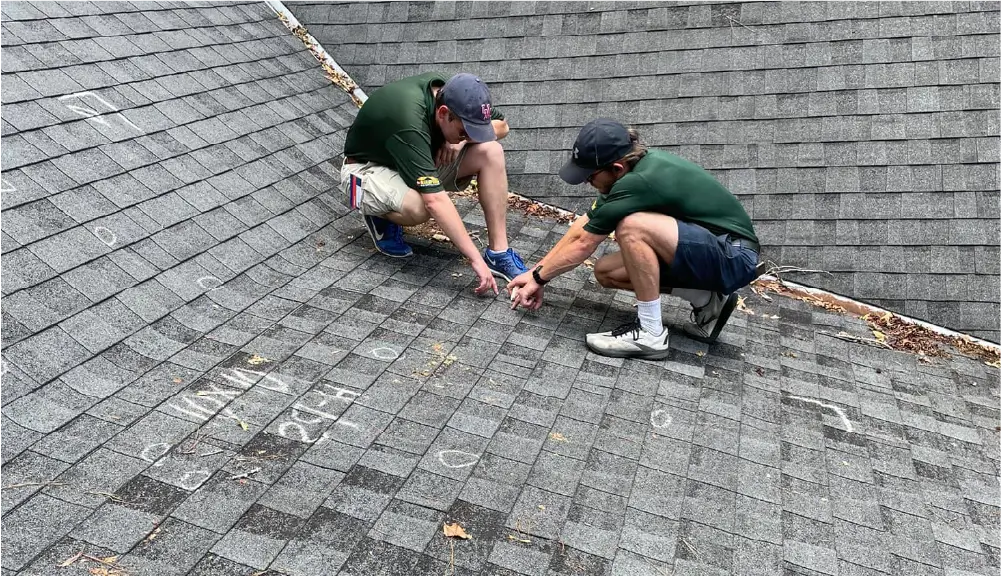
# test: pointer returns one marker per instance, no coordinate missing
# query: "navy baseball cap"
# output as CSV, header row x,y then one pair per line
x,y
468,98
600,143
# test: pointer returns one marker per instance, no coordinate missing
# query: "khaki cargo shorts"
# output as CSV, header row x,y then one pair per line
x,y
384,189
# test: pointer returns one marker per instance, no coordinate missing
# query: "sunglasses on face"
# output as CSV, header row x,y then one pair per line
x,y
590,179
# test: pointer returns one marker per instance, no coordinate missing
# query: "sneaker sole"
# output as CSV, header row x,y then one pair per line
x,y
643,355
500,275
401,256
724,315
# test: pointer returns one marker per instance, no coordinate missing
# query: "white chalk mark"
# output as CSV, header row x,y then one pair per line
x,y
199,475
153,452
6,186
209,283
660,419
92,114
385,353
303,436
836,409
4,368
457,458
241,379
346,423
105,235
339,393
299,409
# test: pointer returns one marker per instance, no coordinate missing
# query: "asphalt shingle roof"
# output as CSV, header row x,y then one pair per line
x,y
861,137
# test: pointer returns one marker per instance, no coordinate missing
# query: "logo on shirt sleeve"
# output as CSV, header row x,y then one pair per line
x,y
594,205
427,182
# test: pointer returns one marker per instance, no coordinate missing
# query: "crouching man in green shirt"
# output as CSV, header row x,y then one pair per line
x,y
679,231
417,138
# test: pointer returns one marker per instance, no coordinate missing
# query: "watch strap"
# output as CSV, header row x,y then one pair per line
x,y
538,277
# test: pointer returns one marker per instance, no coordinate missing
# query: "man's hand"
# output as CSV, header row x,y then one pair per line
x,y
486,278
525,292
448,153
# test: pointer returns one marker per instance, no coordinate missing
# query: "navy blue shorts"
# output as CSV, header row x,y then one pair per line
x,y
704,261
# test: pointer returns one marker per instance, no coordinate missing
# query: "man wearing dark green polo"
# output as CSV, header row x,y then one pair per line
x,y
679,231
417,138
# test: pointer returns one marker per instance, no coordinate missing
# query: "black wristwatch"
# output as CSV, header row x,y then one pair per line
x,y
537,277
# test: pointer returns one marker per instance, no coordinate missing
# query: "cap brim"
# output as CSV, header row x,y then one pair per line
x,y
574,174
479,132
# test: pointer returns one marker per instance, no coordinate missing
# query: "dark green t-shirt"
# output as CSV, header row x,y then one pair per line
x,y
396,128
667,184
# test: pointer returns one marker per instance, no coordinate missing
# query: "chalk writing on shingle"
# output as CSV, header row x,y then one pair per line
x,y
6,186
83,108
192,479
331,401
241,377
153,452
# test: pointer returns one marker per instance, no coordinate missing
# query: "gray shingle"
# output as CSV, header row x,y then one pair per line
x,y
47,354
69,249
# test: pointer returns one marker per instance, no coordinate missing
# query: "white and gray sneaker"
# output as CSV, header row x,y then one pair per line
x,y
629,341
708,321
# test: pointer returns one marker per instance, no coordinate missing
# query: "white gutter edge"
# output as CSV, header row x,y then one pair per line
x,y
342,79
334,71
924,324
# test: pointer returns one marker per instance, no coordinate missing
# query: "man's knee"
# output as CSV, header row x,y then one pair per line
x,y
609,270
412,210
483,155
603,277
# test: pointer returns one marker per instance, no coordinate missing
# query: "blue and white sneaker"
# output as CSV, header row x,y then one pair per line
x,y
388,237
505,264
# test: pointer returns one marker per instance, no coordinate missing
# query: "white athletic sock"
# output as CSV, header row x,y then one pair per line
x,y
650,318
698,298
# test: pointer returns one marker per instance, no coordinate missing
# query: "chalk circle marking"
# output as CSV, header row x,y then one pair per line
x,y
660,419
385,353
457,458
209,283
105,235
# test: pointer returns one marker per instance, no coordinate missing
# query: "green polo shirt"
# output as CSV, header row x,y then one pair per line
x,y
667,184
396,128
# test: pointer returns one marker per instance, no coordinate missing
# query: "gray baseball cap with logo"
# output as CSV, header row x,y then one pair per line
x,y
469,98
600,143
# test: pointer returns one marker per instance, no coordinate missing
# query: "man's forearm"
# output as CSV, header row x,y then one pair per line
x,y
444,213
565,257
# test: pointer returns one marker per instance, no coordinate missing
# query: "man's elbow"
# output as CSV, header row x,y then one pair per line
x,y
501,128
583,246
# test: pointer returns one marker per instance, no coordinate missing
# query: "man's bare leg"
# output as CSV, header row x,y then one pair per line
x,y
412,212
646,239
486,161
